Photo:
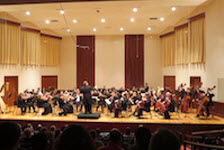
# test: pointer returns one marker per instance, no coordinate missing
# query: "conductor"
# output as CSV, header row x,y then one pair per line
x,y
87,97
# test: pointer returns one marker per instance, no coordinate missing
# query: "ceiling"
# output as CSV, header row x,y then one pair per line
x,y
116,13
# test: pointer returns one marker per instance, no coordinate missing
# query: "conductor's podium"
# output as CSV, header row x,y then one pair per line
x,y
89,116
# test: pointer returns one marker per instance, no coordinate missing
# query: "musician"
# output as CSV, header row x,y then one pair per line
x,y
21,103
146,87
31,100
78,100
101,100
46,97
66,106
210,104
117,108
87,97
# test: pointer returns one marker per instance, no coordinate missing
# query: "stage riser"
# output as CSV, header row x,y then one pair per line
x,y
107,126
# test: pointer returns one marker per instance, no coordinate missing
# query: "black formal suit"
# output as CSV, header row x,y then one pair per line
x,y
87,98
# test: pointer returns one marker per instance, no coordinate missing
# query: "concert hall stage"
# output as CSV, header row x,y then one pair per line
x,y
185,123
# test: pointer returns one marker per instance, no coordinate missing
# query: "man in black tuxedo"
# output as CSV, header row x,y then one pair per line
x,y
87,96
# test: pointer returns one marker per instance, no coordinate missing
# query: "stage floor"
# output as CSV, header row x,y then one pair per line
x,y
176,118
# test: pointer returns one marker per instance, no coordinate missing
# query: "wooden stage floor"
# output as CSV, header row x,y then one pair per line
x,y
176,118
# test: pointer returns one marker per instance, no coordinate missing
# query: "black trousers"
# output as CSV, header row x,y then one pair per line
x,y
88,107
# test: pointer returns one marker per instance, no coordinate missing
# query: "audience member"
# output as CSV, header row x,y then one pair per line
x,y
75,137
164,139
9,136
128,136
115,141
96,142
142,137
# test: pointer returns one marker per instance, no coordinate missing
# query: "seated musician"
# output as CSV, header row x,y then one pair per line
x,y
31,100
78,100
46,97
66,106
117,108
139,108
21,103
101,100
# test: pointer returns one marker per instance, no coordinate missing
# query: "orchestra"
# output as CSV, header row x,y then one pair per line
x,y
133,101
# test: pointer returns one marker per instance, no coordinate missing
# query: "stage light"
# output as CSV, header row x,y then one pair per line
x,y
47,21
162,19
94,29
103,20
28,13
135,9
74,21
62,11
149,28
121,29
68,30
173,8
132,19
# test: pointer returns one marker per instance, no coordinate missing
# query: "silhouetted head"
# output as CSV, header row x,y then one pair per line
x,y
75,137
143,136
9,135
164,139
115,136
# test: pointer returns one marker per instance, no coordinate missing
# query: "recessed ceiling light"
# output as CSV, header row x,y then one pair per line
x,y
149,28
62,11
94,29
135,9
47,21
68,30
173,8
121,29
162,19
74,21
103,20
132,19
28,13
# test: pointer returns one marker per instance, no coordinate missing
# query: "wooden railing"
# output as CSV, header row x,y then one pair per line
x,y
201,146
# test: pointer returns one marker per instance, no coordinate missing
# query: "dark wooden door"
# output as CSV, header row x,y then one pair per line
x,y
170,82
195,81
49,81
134,61
11,89
85,60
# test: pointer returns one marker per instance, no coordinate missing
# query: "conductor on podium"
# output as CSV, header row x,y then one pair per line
x,y
87,96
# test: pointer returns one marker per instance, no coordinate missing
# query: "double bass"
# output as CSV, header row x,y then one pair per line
x,y
202,107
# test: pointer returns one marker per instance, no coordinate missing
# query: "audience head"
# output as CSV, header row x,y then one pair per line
x,y
115,136
164,139
143,136
75,137
9,135
128,131
27,133
53,128
39,141
93,134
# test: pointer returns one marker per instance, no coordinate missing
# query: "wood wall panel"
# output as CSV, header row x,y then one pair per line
x,y
134,61
12,89
219,109
49,81
169,82
85,60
